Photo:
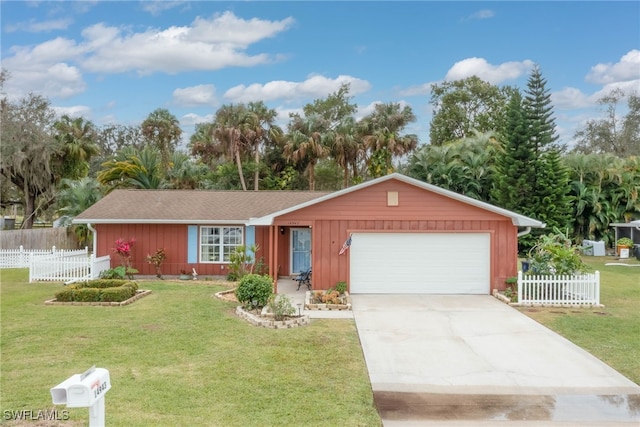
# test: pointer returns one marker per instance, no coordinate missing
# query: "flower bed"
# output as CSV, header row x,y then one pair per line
x,y
266,320
139,294
338,302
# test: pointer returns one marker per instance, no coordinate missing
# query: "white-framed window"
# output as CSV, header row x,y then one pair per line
x,y
218,243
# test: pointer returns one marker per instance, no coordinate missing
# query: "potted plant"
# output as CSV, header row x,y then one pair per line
x,y
184,275
624,243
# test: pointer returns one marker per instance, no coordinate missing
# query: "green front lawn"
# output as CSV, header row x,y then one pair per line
x,y
180,357
611,333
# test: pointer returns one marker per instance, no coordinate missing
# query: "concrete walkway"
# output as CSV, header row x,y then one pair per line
x,y
471,360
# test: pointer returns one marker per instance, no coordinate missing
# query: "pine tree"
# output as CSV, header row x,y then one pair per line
x,y
539,112
515,172
550,194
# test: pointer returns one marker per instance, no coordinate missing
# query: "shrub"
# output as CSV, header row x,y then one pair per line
x,y
625,241
341,287
254,290
113,273
119,294
87,295
66,295
555,254
98,290
101,283
280,306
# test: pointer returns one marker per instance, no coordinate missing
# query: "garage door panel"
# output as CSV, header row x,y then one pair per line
x,y
438,263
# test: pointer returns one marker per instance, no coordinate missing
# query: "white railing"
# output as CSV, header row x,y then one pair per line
x,y
583,289
19,258
56,265
98,265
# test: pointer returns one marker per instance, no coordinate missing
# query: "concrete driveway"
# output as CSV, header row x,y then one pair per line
x,y
473,360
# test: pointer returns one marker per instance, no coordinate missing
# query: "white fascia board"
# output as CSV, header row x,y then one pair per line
x,y
159,221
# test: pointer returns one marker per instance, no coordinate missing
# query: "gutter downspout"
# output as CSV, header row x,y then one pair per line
x,y
524,232
95,237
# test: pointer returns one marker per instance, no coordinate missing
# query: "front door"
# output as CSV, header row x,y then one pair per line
x,y
300,249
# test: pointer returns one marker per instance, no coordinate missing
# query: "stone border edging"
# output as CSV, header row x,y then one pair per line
x,y
139,294
271,323
308,305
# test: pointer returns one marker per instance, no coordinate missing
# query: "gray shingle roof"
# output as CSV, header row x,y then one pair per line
x,y
190,206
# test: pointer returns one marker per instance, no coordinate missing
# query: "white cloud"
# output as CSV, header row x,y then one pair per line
x,y
423,89
628,68
201,95
572,98
54,68
155,8
74,111
569,98
33,26
481,14
315,86
208,44
493,74
191,119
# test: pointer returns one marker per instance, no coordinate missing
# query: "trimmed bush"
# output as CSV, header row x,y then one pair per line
x,y
101,283
87,295
98,290
118,294
254,290
66,295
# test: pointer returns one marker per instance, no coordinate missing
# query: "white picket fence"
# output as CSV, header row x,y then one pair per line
x,y
566,290
55,265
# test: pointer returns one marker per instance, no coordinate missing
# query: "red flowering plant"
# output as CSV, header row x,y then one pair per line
x,y
123,250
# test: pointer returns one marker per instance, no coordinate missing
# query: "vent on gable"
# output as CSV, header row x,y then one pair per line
x,y
392,198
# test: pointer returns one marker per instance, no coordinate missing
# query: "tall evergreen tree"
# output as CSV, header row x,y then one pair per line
x,y
552,185
515,166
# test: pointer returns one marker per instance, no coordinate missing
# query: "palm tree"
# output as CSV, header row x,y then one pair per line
x,y
162,130
344,147
259,130
133,169
75,197
77,138
305,144
184,173
382,138
228,126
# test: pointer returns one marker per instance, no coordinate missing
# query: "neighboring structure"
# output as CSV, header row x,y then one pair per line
x,y
406,236
629,229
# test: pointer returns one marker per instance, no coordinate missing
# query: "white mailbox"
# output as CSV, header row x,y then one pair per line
x,y
85,390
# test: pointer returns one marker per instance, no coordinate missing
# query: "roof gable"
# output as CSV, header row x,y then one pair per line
x,y
517,219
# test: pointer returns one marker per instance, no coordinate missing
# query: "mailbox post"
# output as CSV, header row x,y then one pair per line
x,y
85,390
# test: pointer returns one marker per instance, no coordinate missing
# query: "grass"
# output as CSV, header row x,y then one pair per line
x,y
611,333
180,357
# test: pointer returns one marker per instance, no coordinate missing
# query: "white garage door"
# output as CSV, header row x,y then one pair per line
x,y
420,263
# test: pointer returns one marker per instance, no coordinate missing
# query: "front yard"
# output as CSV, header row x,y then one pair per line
x,y
611,333
180,357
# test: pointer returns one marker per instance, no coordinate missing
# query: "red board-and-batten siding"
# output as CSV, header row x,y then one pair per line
x,y
173,238
418,211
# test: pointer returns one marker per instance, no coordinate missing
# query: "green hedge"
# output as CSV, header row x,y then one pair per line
x,y
100,290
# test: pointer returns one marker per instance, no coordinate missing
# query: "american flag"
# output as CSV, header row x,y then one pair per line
x,y
346,245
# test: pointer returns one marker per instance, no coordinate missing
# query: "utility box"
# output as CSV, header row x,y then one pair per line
x,y
593,248
85,390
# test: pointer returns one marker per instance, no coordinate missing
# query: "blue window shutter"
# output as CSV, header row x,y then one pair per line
x,y
192,244
249,239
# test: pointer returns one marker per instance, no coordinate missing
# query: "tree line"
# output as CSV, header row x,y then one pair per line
x,y
496,144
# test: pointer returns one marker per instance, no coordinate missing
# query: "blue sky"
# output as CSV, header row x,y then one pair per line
x,y
115,62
